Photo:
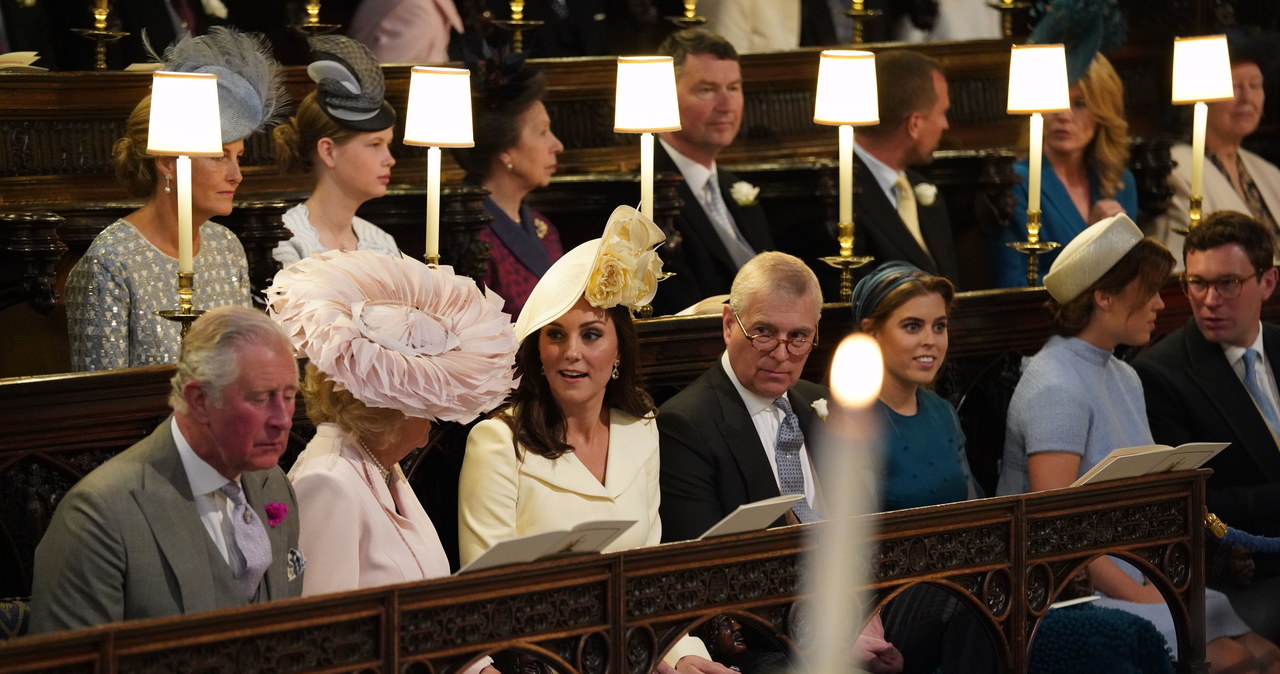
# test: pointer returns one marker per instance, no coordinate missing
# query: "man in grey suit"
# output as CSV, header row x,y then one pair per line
x,y
719,436
894,222
197,516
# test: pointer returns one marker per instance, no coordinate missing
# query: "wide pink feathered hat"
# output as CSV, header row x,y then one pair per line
x,y
620,267
398,334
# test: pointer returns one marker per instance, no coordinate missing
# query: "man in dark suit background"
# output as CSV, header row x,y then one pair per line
x,y
899,215
197,516
1214,379
719,232
719,436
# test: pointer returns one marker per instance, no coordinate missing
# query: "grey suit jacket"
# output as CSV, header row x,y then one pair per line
x,y
712,458
126,543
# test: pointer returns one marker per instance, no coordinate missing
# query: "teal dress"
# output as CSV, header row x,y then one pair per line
x,y
1059,221
924,458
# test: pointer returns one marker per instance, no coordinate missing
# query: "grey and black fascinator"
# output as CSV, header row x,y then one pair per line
x,y
349,84
1084,27
251,92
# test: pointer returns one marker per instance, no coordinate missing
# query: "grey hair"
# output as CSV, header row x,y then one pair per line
x,y
775,274
210,353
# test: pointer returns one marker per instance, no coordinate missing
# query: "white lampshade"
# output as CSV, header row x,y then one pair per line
x,y
847,92
645,98
439,111
184,115
1201,69
1038,79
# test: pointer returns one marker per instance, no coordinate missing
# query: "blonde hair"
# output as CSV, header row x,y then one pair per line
x,y
1108,154
133,166
328,404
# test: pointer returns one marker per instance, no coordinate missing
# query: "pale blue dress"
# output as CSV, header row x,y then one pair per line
x,y
1075,397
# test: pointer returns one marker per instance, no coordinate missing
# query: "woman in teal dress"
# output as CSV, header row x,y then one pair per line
x,y
1083,174
924,462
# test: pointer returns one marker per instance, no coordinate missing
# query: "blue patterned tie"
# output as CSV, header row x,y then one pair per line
x,y
787,454
252,544
1254,386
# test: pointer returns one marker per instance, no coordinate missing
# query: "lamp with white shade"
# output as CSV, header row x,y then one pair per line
x,y
439,115
184,123
1201,72
847,96
1037,84
645,103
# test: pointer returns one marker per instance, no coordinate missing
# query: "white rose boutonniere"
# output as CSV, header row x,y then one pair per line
x,y
820,407
214,8
744,193
926,193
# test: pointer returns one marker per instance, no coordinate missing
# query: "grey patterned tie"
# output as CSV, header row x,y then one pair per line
x,y
252,544
1254,387
739,250
787,454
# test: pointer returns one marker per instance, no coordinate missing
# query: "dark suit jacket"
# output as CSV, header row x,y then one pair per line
x,y
881,233
712,458
703,267
126,543
1193,395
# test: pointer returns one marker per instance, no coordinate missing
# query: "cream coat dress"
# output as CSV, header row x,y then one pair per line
x,y
1219,195
501,497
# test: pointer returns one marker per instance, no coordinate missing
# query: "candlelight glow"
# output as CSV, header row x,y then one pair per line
x,y
857,370
645,95
846,88
1038,79
1201,69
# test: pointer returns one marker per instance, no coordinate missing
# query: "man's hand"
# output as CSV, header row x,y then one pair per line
x,y
696,664
1104,208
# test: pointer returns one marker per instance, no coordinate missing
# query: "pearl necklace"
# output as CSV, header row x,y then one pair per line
x,y
383,470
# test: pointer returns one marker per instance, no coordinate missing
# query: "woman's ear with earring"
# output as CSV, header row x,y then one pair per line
x,y
614,375
167,184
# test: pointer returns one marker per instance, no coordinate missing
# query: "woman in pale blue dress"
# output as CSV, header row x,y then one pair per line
x,y
1076,402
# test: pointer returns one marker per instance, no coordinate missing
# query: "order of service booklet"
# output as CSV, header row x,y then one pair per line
x,y
753,516
1150,459
590,536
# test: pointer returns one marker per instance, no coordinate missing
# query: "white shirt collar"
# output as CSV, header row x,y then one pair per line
x,y
886,176
755,403
694,173
202,477
1235,353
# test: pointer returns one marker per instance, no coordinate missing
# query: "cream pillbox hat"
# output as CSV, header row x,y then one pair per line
x,y
1090,255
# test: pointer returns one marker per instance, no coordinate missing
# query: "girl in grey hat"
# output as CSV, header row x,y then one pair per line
x,y
342,133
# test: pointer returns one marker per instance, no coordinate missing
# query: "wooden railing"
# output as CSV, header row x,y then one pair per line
x,y
1006,558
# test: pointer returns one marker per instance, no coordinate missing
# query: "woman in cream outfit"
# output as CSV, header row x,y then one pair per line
x,y
1235,179
579,442
393,345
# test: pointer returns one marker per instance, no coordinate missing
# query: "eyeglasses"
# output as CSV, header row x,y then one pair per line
x,y
1227,287
767,342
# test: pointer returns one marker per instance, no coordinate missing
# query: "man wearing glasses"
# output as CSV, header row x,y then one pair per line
x,y
1214,379
737,434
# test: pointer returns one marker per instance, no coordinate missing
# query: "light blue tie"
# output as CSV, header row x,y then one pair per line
x,y
1254,386
787,455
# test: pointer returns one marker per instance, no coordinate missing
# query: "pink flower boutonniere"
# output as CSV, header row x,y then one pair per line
x,y
276,513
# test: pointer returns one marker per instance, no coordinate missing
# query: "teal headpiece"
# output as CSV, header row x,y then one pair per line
x,y
1084,26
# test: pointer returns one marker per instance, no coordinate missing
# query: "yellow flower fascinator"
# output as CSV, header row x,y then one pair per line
x,y
622,267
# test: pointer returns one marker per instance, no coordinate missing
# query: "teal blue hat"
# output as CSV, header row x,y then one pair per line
x,y
1085,27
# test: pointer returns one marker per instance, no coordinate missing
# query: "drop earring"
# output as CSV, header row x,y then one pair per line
x,y
167,187
615,370
510,167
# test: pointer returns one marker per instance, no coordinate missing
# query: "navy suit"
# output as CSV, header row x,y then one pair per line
x,y
702,266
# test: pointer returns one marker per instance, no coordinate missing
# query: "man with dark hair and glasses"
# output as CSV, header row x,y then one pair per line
x,y
737,434
1214,379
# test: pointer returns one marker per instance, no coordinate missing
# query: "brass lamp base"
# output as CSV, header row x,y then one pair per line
x,y
314,29
185,313
517,28
432,261
101,37
687,21
1033,247
1194,215
860,16
846,264
1006,10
